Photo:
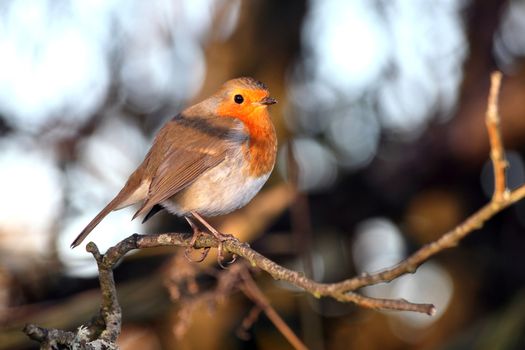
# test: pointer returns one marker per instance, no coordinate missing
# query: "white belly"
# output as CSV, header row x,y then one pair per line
x,y
218,191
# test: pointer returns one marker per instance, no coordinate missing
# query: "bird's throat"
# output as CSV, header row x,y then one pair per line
x,y
262,148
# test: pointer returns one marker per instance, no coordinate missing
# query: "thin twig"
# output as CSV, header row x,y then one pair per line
x,y
247,322
497,152
49,338
250,289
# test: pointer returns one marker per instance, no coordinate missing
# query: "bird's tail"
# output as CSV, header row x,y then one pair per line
x,y
133,191
87,230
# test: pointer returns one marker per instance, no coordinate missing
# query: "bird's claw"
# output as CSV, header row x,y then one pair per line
x,y
189,250
191,247
220,256
221,237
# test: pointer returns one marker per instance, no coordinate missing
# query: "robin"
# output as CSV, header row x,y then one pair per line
x,y
210,159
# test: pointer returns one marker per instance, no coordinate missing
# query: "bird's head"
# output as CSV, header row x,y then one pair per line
x,y
244,98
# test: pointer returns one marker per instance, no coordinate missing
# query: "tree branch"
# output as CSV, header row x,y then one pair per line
x,y
103,331
278,272
110,311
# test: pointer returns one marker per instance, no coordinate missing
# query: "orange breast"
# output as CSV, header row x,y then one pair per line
x,y
262,148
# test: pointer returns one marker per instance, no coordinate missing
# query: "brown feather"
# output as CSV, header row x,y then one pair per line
x,y
172,178
129,188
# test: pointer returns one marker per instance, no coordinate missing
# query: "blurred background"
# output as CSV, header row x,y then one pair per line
x,y
380,123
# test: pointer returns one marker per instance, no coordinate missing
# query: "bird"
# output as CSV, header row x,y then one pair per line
x,y
210,159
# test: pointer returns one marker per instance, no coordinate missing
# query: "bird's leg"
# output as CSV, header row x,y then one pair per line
x,y
220,236
191,247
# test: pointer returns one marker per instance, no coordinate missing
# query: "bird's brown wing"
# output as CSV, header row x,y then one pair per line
x,y
188,147
182,150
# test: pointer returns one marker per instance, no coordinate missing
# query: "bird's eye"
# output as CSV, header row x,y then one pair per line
x,y
238,99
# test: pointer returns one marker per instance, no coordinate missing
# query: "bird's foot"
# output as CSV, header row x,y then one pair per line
x,y
191,247
221,237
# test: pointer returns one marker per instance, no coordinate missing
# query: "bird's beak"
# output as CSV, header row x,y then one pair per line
x,y
268,101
